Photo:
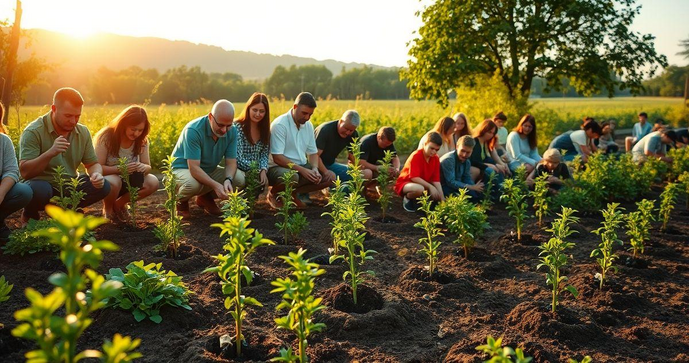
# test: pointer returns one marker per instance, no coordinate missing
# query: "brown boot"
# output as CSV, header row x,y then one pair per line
x,y
183,209
207,203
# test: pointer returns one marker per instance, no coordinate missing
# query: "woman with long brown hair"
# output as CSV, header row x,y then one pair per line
x,y
13,195
444,127
125,137
522,146
461,127
484,159
253,139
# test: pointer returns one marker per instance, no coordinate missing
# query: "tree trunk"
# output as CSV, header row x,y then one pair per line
x,y
12,59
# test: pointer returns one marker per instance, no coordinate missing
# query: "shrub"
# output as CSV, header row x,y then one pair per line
x,y
337,202
23,240
292,223
146,288
680,162
74,197
430,224
515,198
553,254
297,296
608,234
385,182
668,198
133,191
235,205
684,181
170,232
253,187
499,354
57,336
541,200
463,219
240,243
638,226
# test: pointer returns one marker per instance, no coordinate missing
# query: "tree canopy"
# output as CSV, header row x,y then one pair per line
x,y
587,41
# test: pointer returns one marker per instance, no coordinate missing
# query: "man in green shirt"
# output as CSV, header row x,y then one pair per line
x,y
57,139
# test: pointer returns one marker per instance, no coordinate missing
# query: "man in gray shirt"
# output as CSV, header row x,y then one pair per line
x,y
653,145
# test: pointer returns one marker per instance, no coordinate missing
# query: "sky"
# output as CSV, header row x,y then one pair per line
x,y
365,31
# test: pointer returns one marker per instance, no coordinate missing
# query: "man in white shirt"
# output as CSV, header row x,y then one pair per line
x,y
292,141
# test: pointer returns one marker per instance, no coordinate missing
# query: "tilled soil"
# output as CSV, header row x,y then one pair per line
x,y
404,315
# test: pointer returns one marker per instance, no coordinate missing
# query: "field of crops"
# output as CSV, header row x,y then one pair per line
x,y
410,118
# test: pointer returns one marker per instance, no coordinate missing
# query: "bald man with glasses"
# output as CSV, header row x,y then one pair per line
x,y
204,142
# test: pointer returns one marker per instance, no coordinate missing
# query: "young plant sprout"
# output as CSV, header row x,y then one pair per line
x,y
553,255
668,198
684,181
253,187
236,205
240,243
463,219
499,354
5,289
337,202
133,191
385,180
515,198
430,224
170,232
297,296
487,200
638,226
608,233
68,196
541,201
292,223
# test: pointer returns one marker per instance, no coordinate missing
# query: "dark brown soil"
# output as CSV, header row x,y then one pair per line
x,y
640,315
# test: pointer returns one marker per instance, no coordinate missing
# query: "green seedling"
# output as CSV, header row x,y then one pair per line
x,y
499,354
297,297
292,223
553,255
515,198
520,178
56,336
613,219
487,201
170,232
5,289
430,223
236,205
684,180
146,288
253,187
463,219
639,225
586,359
385,180
541,201
69,196
23,241
668,198
240,243
337,202
133,191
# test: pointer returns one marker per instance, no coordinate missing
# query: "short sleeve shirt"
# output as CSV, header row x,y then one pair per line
x,y
330,141
292,142
639,131
651,142
502,136
579,139
371,152
416,166
40,135
196,143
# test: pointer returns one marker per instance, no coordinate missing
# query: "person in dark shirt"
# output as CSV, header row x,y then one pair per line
x,y
551,165
331,138
373,148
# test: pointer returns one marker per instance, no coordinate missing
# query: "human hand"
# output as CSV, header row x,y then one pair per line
x,y
220,191
263,178
478,187
97,180
228,186
60,145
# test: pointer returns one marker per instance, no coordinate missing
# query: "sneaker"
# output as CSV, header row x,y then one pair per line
x,y
207,203
410,205
5,233
183,209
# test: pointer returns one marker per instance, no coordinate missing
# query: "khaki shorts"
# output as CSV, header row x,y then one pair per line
x,y
276,172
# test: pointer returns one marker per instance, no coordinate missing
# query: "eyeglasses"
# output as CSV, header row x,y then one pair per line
x,y
221,127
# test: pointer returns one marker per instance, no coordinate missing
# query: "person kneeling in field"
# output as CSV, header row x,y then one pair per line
x,y
57,139
331,138
125,137
654,145
579,142
253,140
421,173
639,131
373,148
455,170
292,140
204,142
551,165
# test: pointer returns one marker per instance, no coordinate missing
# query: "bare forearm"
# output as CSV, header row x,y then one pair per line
x,y
94,168
30,169
5,186
110,170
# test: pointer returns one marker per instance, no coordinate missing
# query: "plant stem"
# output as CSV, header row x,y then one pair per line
x,y
238,308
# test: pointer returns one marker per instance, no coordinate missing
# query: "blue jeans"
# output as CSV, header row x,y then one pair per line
x,y
340,171
43,191
474,197
16,198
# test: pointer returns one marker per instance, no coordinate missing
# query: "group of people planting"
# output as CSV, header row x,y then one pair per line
x,y
449,158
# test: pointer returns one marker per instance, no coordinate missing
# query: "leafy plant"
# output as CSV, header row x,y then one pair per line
x,y
608,234
487,201
240,243
586,359
57,336
638,226
253,187
668,198
5,289
430,224
146,288
520,178
684,180
337,202
515,198
293,223
236,205
132,190
297,296
385,181
170,232
69,196
499,354
23,240
553,254
541,201
463,219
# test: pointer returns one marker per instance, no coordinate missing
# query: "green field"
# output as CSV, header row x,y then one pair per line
x,y
410,118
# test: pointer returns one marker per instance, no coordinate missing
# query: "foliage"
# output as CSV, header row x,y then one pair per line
x,y
292,223
668,198
69,196
680,162
684,180
463,219
146,288
517,41
351,225
515,198
613,219
586,359
385,181
638,226
541,200
5,289
236,205
253,187
430,224
487,200
520,178
553,254
23,240
297,296
670,83
132,190
170,232
56,336
500,354
337,202
240,243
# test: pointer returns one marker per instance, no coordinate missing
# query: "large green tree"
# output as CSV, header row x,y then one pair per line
x,y
587,41
685,48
